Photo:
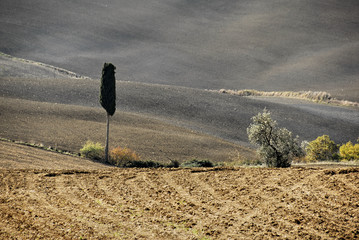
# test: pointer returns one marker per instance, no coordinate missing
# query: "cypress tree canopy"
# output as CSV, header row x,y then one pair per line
x,y
108,88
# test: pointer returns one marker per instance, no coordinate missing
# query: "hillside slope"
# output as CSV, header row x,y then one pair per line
x,y
68,127
220,115
17,156
260,44
173,108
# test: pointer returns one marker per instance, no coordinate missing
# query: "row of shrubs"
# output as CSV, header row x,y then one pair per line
x,y
320,149
277,147
127,158
325,149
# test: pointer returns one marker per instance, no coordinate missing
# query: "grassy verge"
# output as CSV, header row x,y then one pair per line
x,y
188,164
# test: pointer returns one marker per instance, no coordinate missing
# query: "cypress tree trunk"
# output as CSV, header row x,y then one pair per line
x,y
107,138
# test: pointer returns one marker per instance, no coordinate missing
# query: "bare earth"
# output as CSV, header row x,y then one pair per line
x,y
266,45
215,203
16,156
68,127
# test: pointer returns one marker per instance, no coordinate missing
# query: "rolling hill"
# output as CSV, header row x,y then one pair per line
x,y
172,56
168,53
42,104
260,44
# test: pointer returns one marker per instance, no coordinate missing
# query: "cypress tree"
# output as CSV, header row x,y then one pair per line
x,y
108,96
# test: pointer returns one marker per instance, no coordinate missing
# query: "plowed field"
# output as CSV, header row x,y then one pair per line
x,y
228,203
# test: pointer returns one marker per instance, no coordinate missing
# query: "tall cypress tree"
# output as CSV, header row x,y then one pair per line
x,y
108,96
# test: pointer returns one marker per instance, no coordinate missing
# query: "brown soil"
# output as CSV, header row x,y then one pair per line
x,y
47,195
238,203
68,127
16,156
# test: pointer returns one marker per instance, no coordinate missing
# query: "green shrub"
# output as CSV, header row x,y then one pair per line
x,y
197,163
322,149
173,164
141,164
94,151
349,151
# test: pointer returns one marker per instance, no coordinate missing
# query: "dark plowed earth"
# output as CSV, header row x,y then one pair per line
x,y
231,44
180,204
68,127
219,115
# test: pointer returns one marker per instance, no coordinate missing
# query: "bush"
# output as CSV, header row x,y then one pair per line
x,y
127,158
94,151
277,147
197,163
141,164
322,149
123,157
173,164
349,151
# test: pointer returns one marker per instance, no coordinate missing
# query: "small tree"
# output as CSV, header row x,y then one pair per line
x,y
277,147
322,149
108,97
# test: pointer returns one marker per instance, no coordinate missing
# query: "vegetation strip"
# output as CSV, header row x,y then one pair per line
x,y
42,147
57,69
315,96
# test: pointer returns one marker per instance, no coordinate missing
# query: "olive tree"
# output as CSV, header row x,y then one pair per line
x,y
108,97
277,146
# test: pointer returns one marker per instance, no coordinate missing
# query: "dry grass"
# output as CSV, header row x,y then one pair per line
x,y
316,96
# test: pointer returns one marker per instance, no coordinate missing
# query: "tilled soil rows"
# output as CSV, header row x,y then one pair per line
x,y
214,203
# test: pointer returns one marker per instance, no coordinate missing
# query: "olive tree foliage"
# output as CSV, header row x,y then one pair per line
x,y
277,147
108,97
